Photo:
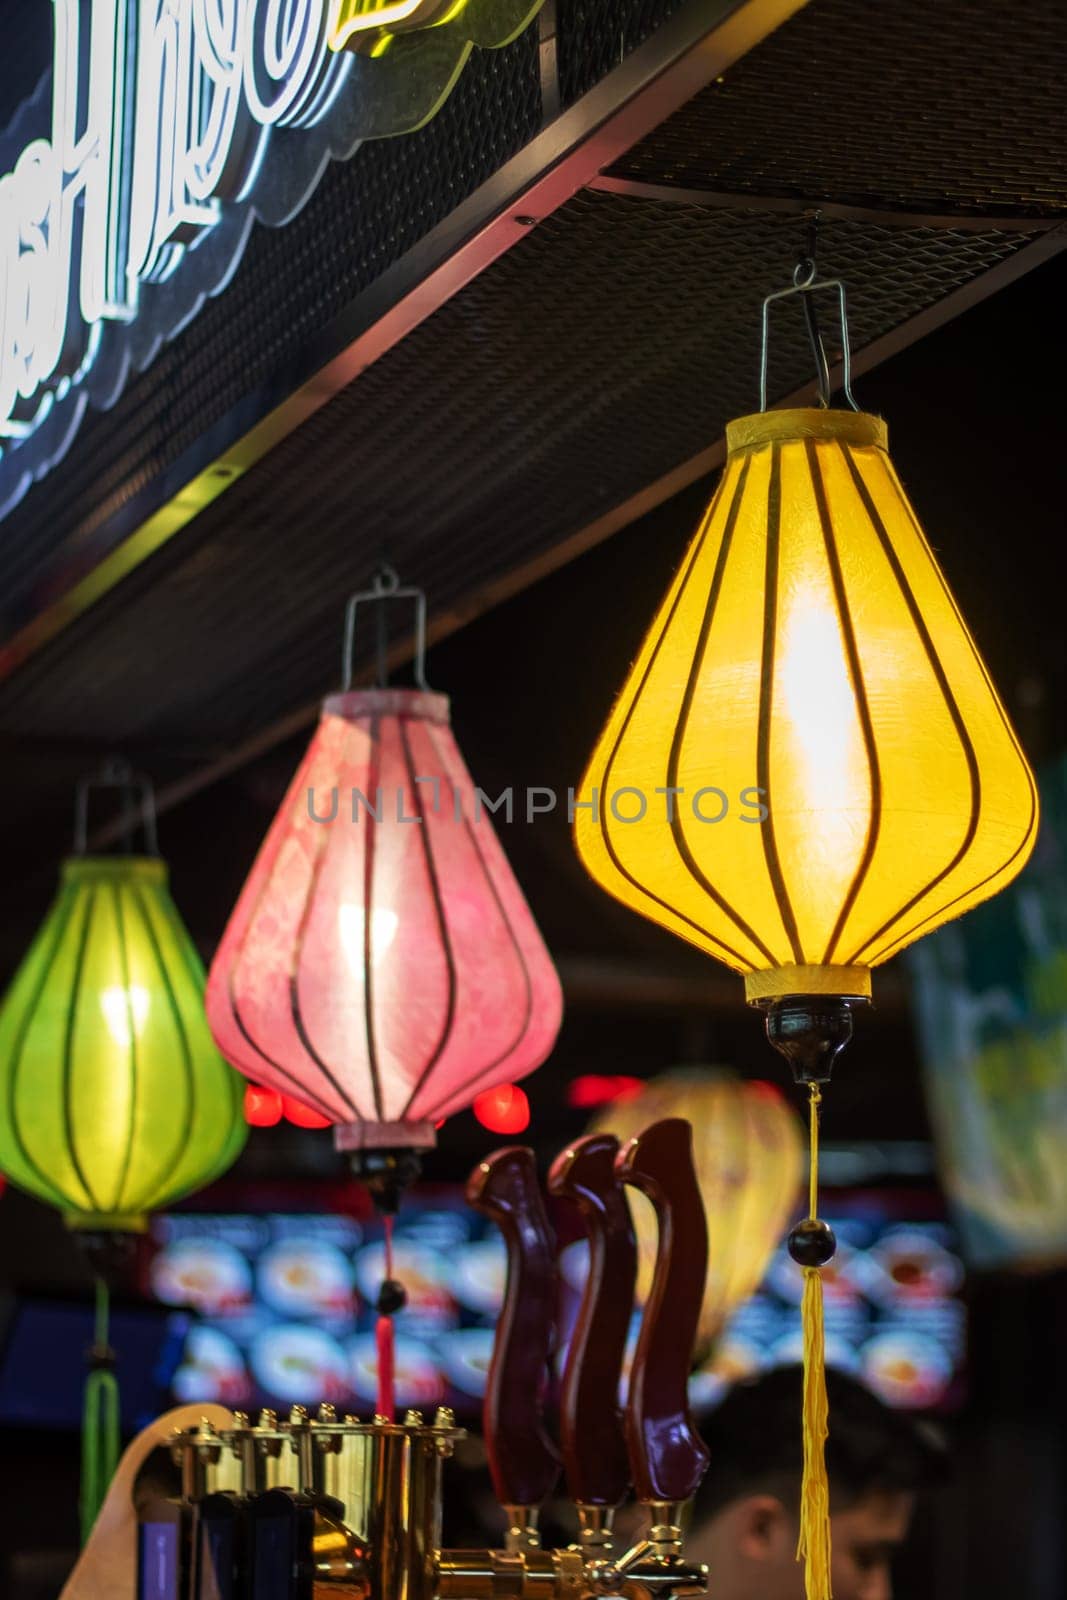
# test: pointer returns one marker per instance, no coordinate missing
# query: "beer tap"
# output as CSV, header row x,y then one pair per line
x,y
667,1456
523,1461
590,1421
316,1506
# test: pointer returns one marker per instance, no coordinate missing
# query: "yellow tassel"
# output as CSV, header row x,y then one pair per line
x,y
813,1546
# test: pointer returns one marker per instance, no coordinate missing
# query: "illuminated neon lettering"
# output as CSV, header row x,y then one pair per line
x,y
162,112
366,16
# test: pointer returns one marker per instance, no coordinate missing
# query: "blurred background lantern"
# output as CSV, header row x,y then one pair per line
x,y
114,1101
749,1150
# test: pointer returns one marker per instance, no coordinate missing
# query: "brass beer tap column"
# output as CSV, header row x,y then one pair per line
x,y
316,1506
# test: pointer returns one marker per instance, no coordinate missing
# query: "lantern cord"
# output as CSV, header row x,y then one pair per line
x,y
100,1418
384,1340
804,275
381,647
813,1545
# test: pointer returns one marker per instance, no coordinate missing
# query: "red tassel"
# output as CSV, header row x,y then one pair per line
x,y
383,1335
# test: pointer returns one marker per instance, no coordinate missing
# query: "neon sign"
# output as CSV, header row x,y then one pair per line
x,y
130,181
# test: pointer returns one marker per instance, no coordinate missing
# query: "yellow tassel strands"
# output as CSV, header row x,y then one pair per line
x,y
812,1245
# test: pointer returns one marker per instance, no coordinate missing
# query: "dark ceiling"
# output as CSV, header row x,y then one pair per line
x,y
601,353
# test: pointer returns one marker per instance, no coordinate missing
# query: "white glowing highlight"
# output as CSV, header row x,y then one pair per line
x,y
351,924
123,1007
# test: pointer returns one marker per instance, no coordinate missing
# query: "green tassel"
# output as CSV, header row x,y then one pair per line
x,y
100,1423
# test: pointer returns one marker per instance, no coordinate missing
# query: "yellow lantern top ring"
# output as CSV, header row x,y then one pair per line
x,y
806,422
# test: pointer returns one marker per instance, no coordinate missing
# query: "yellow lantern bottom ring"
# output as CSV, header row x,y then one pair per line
x,y
774,983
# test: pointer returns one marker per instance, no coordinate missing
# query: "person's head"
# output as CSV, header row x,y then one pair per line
x,y
745,1516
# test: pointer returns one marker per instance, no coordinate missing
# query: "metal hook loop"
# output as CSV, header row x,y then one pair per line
x,y
807,283
385,585
386,580
116,773
804,273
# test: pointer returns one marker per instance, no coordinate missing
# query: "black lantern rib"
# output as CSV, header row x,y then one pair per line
x,y
235,1011
674,759
859,690
439,908
919,623
68,1047
131,1047
528,1011
766,697
67,903
189,1121
888,950
321,849
373,774
698,545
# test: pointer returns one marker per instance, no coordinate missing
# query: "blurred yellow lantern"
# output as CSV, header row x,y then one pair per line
x,y
749,1151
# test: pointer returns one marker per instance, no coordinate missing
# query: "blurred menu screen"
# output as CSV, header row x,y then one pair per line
x,y
286,1305
894,1315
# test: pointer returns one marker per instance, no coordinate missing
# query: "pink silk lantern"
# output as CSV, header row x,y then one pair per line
x,y
381,962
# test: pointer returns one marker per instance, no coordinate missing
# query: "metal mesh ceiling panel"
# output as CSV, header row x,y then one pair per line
x,y
596,35
911,105
609,346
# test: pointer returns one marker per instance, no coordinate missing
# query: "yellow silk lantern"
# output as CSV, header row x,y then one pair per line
x,y
749,1150
822,766
808,767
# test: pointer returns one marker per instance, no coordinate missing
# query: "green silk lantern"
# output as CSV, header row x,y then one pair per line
x,y
114,1101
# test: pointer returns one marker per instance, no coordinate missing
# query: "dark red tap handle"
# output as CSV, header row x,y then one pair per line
x,y
667,1456
522,1458
595,1458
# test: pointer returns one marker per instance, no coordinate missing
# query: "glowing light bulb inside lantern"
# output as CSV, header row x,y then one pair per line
x,y
816,736
121,1007
352,926
816,702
